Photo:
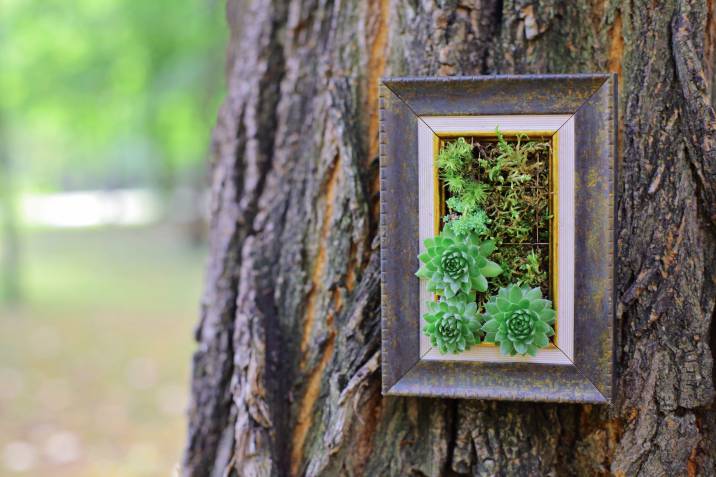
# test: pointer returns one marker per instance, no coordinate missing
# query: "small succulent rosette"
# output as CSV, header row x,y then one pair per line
x,y
452,325
519,320
453,264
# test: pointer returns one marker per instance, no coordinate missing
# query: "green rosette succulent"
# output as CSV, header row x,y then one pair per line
x,y
452,325
455,264
519,320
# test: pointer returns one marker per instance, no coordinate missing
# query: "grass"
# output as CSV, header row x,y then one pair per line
x,y
94,364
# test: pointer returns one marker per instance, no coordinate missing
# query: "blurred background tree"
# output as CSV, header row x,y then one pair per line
x,y
106,94
109,93
106,110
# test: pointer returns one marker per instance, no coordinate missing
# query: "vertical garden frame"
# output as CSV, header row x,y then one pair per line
x,y
578,113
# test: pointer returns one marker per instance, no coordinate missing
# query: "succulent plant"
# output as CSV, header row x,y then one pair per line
x,y
519,320
491,188
453,324
455,264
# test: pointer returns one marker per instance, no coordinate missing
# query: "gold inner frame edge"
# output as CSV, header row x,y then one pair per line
x,y
439,202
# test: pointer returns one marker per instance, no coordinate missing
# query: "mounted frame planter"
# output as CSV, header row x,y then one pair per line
x,y
566,181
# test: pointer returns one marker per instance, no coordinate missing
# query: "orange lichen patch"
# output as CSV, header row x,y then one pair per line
x,y
313,389
351,271
369,420
378,11
691,465
615,430
319,264
673,245
616,47
586,411
377,33
597,13
313,380
710,41
605,433
337,301
616,56
633,414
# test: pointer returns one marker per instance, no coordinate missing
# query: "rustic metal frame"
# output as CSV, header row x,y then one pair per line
x,y
591,101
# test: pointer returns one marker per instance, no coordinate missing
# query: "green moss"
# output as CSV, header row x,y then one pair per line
x,y
499,189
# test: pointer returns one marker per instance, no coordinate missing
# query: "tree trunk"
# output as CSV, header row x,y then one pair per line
x,y
286,377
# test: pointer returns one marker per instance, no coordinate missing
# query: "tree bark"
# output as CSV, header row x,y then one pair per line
x,y
286,375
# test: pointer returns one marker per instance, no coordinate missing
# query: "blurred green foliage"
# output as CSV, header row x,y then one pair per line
x,y
109,93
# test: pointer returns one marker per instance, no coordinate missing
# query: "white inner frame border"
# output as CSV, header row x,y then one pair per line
x,y
560,125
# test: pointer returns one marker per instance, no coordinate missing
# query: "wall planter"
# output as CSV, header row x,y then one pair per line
x,y
499,192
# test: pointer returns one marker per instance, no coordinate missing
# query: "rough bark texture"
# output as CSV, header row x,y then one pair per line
x,y
286,376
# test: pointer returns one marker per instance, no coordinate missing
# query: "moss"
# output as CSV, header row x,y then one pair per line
x,y
499,188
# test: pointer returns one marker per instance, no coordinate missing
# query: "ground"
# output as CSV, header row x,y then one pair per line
x,y
94,365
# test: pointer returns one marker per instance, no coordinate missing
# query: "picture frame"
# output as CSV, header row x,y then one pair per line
x,y
578,114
